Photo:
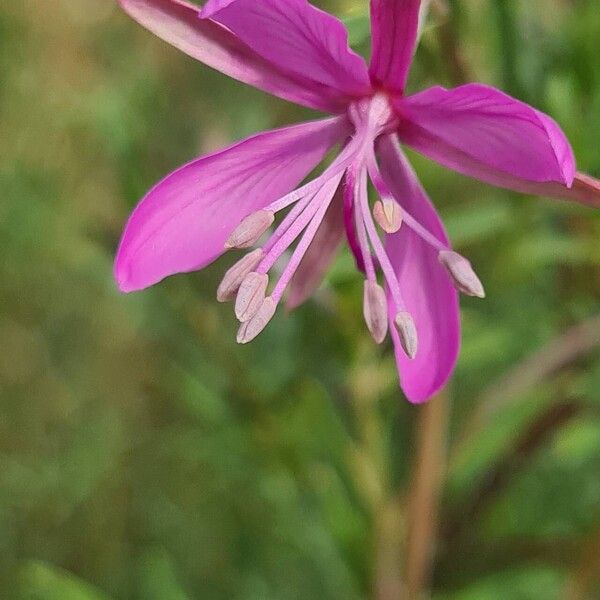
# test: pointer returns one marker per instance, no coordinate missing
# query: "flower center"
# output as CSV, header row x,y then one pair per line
x,y
248,280
373,116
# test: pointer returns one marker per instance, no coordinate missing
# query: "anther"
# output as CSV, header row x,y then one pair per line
x,y
408,333
233,278
250,229
254,326
250,295
375,310
462,273
388,214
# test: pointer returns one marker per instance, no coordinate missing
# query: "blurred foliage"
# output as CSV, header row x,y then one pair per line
x,y
144,455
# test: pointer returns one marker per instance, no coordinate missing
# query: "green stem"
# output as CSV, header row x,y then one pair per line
x,y
423,510
509,46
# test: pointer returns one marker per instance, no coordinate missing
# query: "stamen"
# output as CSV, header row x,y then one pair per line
x,y
307,238
386,195
283,241
304,195
254,326
249,231
339,165
359,185
423,233
388,214
287,222
458,267
375,310
408,333
233,278
350,224
380,253
251,295
463,276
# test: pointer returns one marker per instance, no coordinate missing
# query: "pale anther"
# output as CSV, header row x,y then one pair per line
x,y
249,231
250,295
375,310
253,327
229,286
462,273
408,333
388,214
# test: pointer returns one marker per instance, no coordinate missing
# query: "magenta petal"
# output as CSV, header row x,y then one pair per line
x,y
177,22
298,38
394,24
182,223
585,189
430,297
319,256
481,132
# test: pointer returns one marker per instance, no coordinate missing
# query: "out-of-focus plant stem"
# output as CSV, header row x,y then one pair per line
x,y
448,38
587,572
423,509
431,448
390,534
370,468
578,341
509,44
499,475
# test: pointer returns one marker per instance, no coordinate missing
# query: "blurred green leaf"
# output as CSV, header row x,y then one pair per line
x,y
477,222
158,578
41,581
359,28
528,583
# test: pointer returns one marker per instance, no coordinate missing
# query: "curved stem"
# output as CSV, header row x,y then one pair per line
x,y
423,510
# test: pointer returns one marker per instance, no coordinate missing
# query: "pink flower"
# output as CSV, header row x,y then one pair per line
x,y
230,199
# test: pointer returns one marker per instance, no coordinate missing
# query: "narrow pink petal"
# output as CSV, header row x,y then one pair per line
x,y
298,38
481,132
177,22
585,189
429,295
319,256
184,222
395,25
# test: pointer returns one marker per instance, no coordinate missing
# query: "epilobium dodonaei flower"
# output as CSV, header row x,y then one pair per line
x,y
230,199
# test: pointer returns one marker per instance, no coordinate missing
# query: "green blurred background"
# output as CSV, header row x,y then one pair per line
x,y
144,455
